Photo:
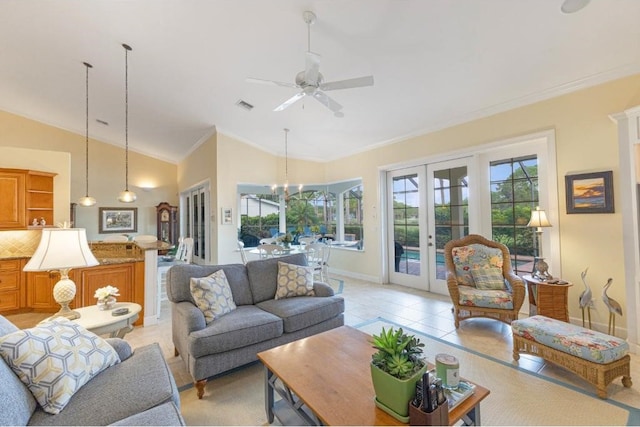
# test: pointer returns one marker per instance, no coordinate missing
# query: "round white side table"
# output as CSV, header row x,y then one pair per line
x,y
103,322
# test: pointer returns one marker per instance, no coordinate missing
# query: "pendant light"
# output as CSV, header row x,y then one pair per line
x,y
87,200
126,196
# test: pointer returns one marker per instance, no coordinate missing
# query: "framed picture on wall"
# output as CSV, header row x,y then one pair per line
x,y
227,216
590,192
118,220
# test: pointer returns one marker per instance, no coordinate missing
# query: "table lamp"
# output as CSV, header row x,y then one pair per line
x,y
539,220
62,249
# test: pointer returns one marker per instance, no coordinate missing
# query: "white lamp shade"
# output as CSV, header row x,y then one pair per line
x,y
538,219
62,248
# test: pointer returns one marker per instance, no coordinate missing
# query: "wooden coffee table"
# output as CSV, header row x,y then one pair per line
x,y
326,379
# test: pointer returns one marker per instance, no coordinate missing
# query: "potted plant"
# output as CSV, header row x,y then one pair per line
x,y
395,369
286,239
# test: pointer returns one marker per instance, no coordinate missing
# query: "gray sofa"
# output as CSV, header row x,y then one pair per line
x,y
258,323
140,390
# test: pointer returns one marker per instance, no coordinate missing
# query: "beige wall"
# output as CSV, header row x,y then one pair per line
x,y
586,140
153,181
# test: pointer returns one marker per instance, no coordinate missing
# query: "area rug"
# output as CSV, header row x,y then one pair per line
x,y
518,396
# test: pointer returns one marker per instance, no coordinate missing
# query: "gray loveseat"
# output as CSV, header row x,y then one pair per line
x,y
258,323
140,390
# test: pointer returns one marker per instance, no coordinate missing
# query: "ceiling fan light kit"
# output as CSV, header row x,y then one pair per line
x,y
310,82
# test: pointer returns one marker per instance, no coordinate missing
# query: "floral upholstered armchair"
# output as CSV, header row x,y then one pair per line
x,y
480,280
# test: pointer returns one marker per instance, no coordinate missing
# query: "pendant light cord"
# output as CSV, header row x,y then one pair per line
x,y
86,138
127,48
286,158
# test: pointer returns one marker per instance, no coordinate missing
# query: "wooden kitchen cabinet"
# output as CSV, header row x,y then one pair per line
x,y
26,195
40,290
12,194
127,277
11,289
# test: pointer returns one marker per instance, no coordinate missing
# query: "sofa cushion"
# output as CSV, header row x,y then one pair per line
x,y
141,382
242,327
302,312
178,278
294,281
166,414
488,278
472,297
263,275
16,400
212,295
55,359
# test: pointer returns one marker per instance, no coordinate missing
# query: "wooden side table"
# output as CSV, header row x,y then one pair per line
x,y
548,299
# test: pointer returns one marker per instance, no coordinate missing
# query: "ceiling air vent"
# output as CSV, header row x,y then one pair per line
x,y
243,104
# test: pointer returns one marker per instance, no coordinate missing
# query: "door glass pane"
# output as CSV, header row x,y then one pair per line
x,y
451,213
196,224
514,194
406,228
201,233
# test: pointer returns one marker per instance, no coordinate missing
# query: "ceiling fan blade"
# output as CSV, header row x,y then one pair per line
x,y
324,99
289,101
270,82
348,84
312,67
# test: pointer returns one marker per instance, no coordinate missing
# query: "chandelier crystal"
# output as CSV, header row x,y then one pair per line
x,y
285,186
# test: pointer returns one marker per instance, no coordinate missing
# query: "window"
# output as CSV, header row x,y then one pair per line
x,y
514,194
352,204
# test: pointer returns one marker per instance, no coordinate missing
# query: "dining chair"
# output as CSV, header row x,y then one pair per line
x,y
318,258
304,241
269,250
243,254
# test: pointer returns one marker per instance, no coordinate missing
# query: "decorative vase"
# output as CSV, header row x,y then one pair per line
x,y
287,245
392,394
106,303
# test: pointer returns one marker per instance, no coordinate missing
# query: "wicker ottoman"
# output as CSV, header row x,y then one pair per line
x,y
598,358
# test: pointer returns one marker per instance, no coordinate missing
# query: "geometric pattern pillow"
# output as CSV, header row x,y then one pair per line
x,y
55,359
488,278
212,295
294,281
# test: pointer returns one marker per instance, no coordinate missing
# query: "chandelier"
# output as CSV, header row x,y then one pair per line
x,y
285,186
126,196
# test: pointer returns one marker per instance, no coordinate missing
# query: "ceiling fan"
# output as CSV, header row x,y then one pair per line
x,y
311,81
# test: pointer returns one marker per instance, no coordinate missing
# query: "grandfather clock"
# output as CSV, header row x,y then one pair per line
x,y
167,219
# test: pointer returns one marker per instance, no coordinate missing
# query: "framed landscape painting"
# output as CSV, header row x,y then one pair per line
x,y
118,220
590,192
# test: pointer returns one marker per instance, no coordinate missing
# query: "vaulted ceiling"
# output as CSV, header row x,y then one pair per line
x,y
435,63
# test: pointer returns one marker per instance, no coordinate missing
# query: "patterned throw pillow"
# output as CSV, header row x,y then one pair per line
x,y
294,281
55,359
212,295
488,278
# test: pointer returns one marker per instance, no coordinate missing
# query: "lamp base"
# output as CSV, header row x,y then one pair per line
x,y
65,311
541,270
63,292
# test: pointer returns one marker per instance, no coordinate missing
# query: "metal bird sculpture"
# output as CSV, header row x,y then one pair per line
x,y
613,306
585,297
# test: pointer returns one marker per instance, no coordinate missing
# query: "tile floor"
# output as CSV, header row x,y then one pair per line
x,y
418,310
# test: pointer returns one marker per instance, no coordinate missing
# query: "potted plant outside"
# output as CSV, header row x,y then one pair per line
x,y
396,367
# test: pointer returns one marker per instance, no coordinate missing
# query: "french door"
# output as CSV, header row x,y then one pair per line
x,y
448,215
196,221
428,206
407,233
